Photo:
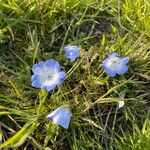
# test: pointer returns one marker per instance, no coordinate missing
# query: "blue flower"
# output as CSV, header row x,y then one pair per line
x,y
72,52
47,75
60,116
114,65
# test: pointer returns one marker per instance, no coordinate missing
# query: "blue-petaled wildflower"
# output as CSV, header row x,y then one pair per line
x,y
114,65
72,52
47,75
60,116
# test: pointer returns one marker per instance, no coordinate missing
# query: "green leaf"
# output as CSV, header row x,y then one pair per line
x,y
26,135
4,112
16,137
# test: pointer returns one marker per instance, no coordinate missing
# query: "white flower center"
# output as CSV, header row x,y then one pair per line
x,y
71,53
48,75
114,63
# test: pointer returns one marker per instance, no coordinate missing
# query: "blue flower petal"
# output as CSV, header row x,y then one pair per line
x,y
34,77
72,52
36,83
53,114
48,87
62,77
51,63
105,61
113,55
60,116
125,60
110,73
122,70
69,47
37,67
71,56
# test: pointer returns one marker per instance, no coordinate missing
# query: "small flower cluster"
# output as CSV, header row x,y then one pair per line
x,y
48,75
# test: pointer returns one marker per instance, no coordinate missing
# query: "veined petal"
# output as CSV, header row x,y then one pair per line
x,y
123,69
51,63
72,52
37,67
125,60
70,57
60,116
62,77
69,47
36,83
110,73
53,114
48,85
105,62
34,77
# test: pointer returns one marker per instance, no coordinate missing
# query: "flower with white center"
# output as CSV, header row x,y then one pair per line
x,y
72,52
47,75
120,104
60,116
114,65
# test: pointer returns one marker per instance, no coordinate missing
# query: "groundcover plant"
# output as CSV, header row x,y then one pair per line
x,y
74,74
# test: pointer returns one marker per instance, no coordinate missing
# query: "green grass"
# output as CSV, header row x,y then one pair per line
x,y
34,30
